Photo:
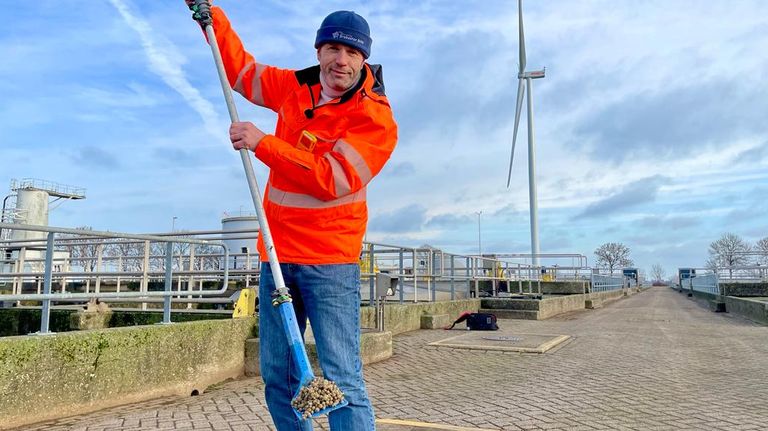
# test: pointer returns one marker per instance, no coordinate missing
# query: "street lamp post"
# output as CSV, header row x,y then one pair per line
x,y
173,224
479,238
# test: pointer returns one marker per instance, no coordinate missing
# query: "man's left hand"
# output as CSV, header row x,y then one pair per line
x,y
245,135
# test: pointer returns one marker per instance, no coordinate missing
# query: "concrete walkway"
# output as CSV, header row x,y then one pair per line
x,y
653,361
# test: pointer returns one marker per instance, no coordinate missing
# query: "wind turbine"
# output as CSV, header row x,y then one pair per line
x,y
524,81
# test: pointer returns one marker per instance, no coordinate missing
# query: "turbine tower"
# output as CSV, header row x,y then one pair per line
x,y
524,81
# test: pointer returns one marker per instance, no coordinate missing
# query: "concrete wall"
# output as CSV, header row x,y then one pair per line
x,y
564,287
754,310
23,321
510,304
407,317
76,372
560,304
554,305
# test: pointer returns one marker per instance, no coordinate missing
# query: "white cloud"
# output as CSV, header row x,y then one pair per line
x,y
166,62
633,90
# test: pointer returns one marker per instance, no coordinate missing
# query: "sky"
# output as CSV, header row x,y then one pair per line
x,y
650,124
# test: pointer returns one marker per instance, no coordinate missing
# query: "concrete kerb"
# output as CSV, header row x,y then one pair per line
x,y
752,309
749,308
540,309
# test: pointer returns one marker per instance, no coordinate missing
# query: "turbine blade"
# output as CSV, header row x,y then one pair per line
x,y
518,107
522,36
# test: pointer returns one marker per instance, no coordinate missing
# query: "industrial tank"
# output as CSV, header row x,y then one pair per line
x,y
32,209
241,249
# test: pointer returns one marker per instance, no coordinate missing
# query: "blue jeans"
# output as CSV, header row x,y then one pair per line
x,y
329,295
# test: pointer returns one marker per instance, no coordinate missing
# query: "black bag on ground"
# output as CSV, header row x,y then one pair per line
x,y
477,321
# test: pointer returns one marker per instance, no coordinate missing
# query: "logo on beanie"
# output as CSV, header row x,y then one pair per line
x,y
347,37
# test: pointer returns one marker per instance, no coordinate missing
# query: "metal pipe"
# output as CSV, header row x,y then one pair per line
x,y
168,281
453,287
63,295
104,234
2,214
46,312
401,276
372,277
266,235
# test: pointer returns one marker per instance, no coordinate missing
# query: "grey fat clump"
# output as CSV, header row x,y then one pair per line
x,y
317,395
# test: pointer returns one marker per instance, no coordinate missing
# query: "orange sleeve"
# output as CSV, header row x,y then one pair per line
x,y
264,85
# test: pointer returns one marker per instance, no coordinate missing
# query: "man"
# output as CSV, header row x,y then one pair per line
x,y
334,133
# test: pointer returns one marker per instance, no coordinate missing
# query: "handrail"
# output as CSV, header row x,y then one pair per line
x,y
47,296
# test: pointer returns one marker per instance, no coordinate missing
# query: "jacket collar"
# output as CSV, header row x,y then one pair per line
x,y
371,79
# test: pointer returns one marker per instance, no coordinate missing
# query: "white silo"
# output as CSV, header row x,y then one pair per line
x,y
242,245
31,208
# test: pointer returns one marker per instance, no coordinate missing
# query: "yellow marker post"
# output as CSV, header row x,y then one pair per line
x,y
246,303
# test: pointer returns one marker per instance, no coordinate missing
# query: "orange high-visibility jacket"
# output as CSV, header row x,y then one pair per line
x,y
315,200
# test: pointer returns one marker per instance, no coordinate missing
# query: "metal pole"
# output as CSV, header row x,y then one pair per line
x,y
401,276
453,274
2,214
479,240
372,277
415,277
253,186
119,269
430,275
46,312
532,179
144,280
191,281
168,282
469,279
22,259
99,252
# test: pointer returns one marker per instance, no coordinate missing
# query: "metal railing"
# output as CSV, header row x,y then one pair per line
x,y
707,283
743,274
111,266
50,186
605,283
434,274
44,274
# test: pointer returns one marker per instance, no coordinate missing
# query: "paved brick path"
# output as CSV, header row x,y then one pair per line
x,y
654,361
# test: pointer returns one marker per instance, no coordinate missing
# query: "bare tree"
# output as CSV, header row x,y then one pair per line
x,y
208,257
82,253
129,255
657,272
728,252
613,255
762,247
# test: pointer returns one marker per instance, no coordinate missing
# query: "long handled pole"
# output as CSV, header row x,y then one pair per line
x,y
281,296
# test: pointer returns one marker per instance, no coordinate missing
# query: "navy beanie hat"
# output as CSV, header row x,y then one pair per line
x,y
348,28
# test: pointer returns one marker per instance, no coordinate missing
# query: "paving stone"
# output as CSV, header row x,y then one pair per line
x,y
652,361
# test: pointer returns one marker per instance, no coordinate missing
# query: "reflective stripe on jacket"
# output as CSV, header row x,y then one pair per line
x,y
315,200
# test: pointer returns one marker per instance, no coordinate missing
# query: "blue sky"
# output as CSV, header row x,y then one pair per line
x,y
650,125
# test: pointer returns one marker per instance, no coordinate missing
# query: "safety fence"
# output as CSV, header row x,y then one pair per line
x,y
706,283
743,274
34,261
432,274
605,283
45,264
